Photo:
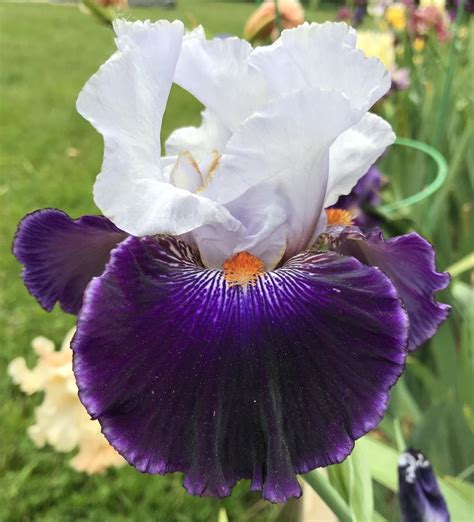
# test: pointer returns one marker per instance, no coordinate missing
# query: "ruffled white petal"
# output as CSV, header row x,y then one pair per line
x,y
125,101
201,141
354,152
218,74
279,115
285,147
322,55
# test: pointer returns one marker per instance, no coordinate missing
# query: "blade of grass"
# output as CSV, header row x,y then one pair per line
x,y
448,81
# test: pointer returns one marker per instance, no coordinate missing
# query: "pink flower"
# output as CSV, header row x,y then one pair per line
x,y
431,18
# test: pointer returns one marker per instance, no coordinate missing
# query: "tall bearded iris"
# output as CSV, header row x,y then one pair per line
x,y
213,337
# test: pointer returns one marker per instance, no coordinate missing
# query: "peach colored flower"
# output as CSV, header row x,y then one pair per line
x,y
262,23
61,419
118,4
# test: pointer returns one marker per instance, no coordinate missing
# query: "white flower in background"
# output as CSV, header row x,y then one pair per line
x,y
376,8
61,419
285,132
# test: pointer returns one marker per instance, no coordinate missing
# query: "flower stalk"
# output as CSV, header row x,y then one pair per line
x,y
330,495
448,82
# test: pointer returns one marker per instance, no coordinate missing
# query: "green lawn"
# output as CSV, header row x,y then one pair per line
x,y
47,52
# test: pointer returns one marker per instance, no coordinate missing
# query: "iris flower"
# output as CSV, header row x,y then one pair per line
x,y
61,419
213,338
419,494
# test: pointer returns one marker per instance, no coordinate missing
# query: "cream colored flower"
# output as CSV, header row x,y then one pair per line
x,y
61,419
440,4
378,44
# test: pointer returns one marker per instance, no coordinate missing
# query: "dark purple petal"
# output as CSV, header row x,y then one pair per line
x,y
61,255
186,373
409,261
419,494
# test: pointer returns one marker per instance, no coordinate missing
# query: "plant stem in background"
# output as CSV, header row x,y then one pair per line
x,y
448,81
103,14
399,439
461,266
330,495
277,17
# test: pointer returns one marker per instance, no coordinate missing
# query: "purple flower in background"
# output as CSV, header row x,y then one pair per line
x,y
419,494
360,11
365,194
213,338
401,79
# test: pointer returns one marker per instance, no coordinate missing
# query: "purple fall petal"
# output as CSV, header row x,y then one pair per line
x,y
186,373
409,261
61,255
419,494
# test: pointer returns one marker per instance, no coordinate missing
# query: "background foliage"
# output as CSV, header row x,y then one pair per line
x,y
50,156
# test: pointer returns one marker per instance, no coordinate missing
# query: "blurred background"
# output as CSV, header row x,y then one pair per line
x,y
50,157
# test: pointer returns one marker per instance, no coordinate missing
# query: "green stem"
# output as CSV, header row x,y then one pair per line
x,y
104,15
448,82
277,17
329,495
465,474
399,439
465,264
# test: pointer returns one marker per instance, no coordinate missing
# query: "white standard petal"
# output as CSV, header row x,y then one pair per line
x,y
217,73
354,152
322,55
125,101
264,235
201,141
283,147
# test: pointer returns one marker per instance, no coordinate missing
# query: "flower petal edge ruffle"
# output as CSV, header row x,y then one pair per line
x,y
409,262
186,373
60,255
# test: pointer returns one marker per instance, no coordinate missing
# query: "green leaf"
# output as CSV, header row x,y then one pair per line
x,y
461,266
465,488
353,481
403,403
330,495
222,516
383,465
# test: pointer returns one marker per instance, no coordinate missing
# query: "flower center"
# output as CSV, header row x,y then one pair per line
x,y
337,216
243,269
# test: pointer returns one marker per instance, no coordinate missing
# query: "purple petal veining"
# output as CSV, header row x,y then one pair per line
x,y
186,373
